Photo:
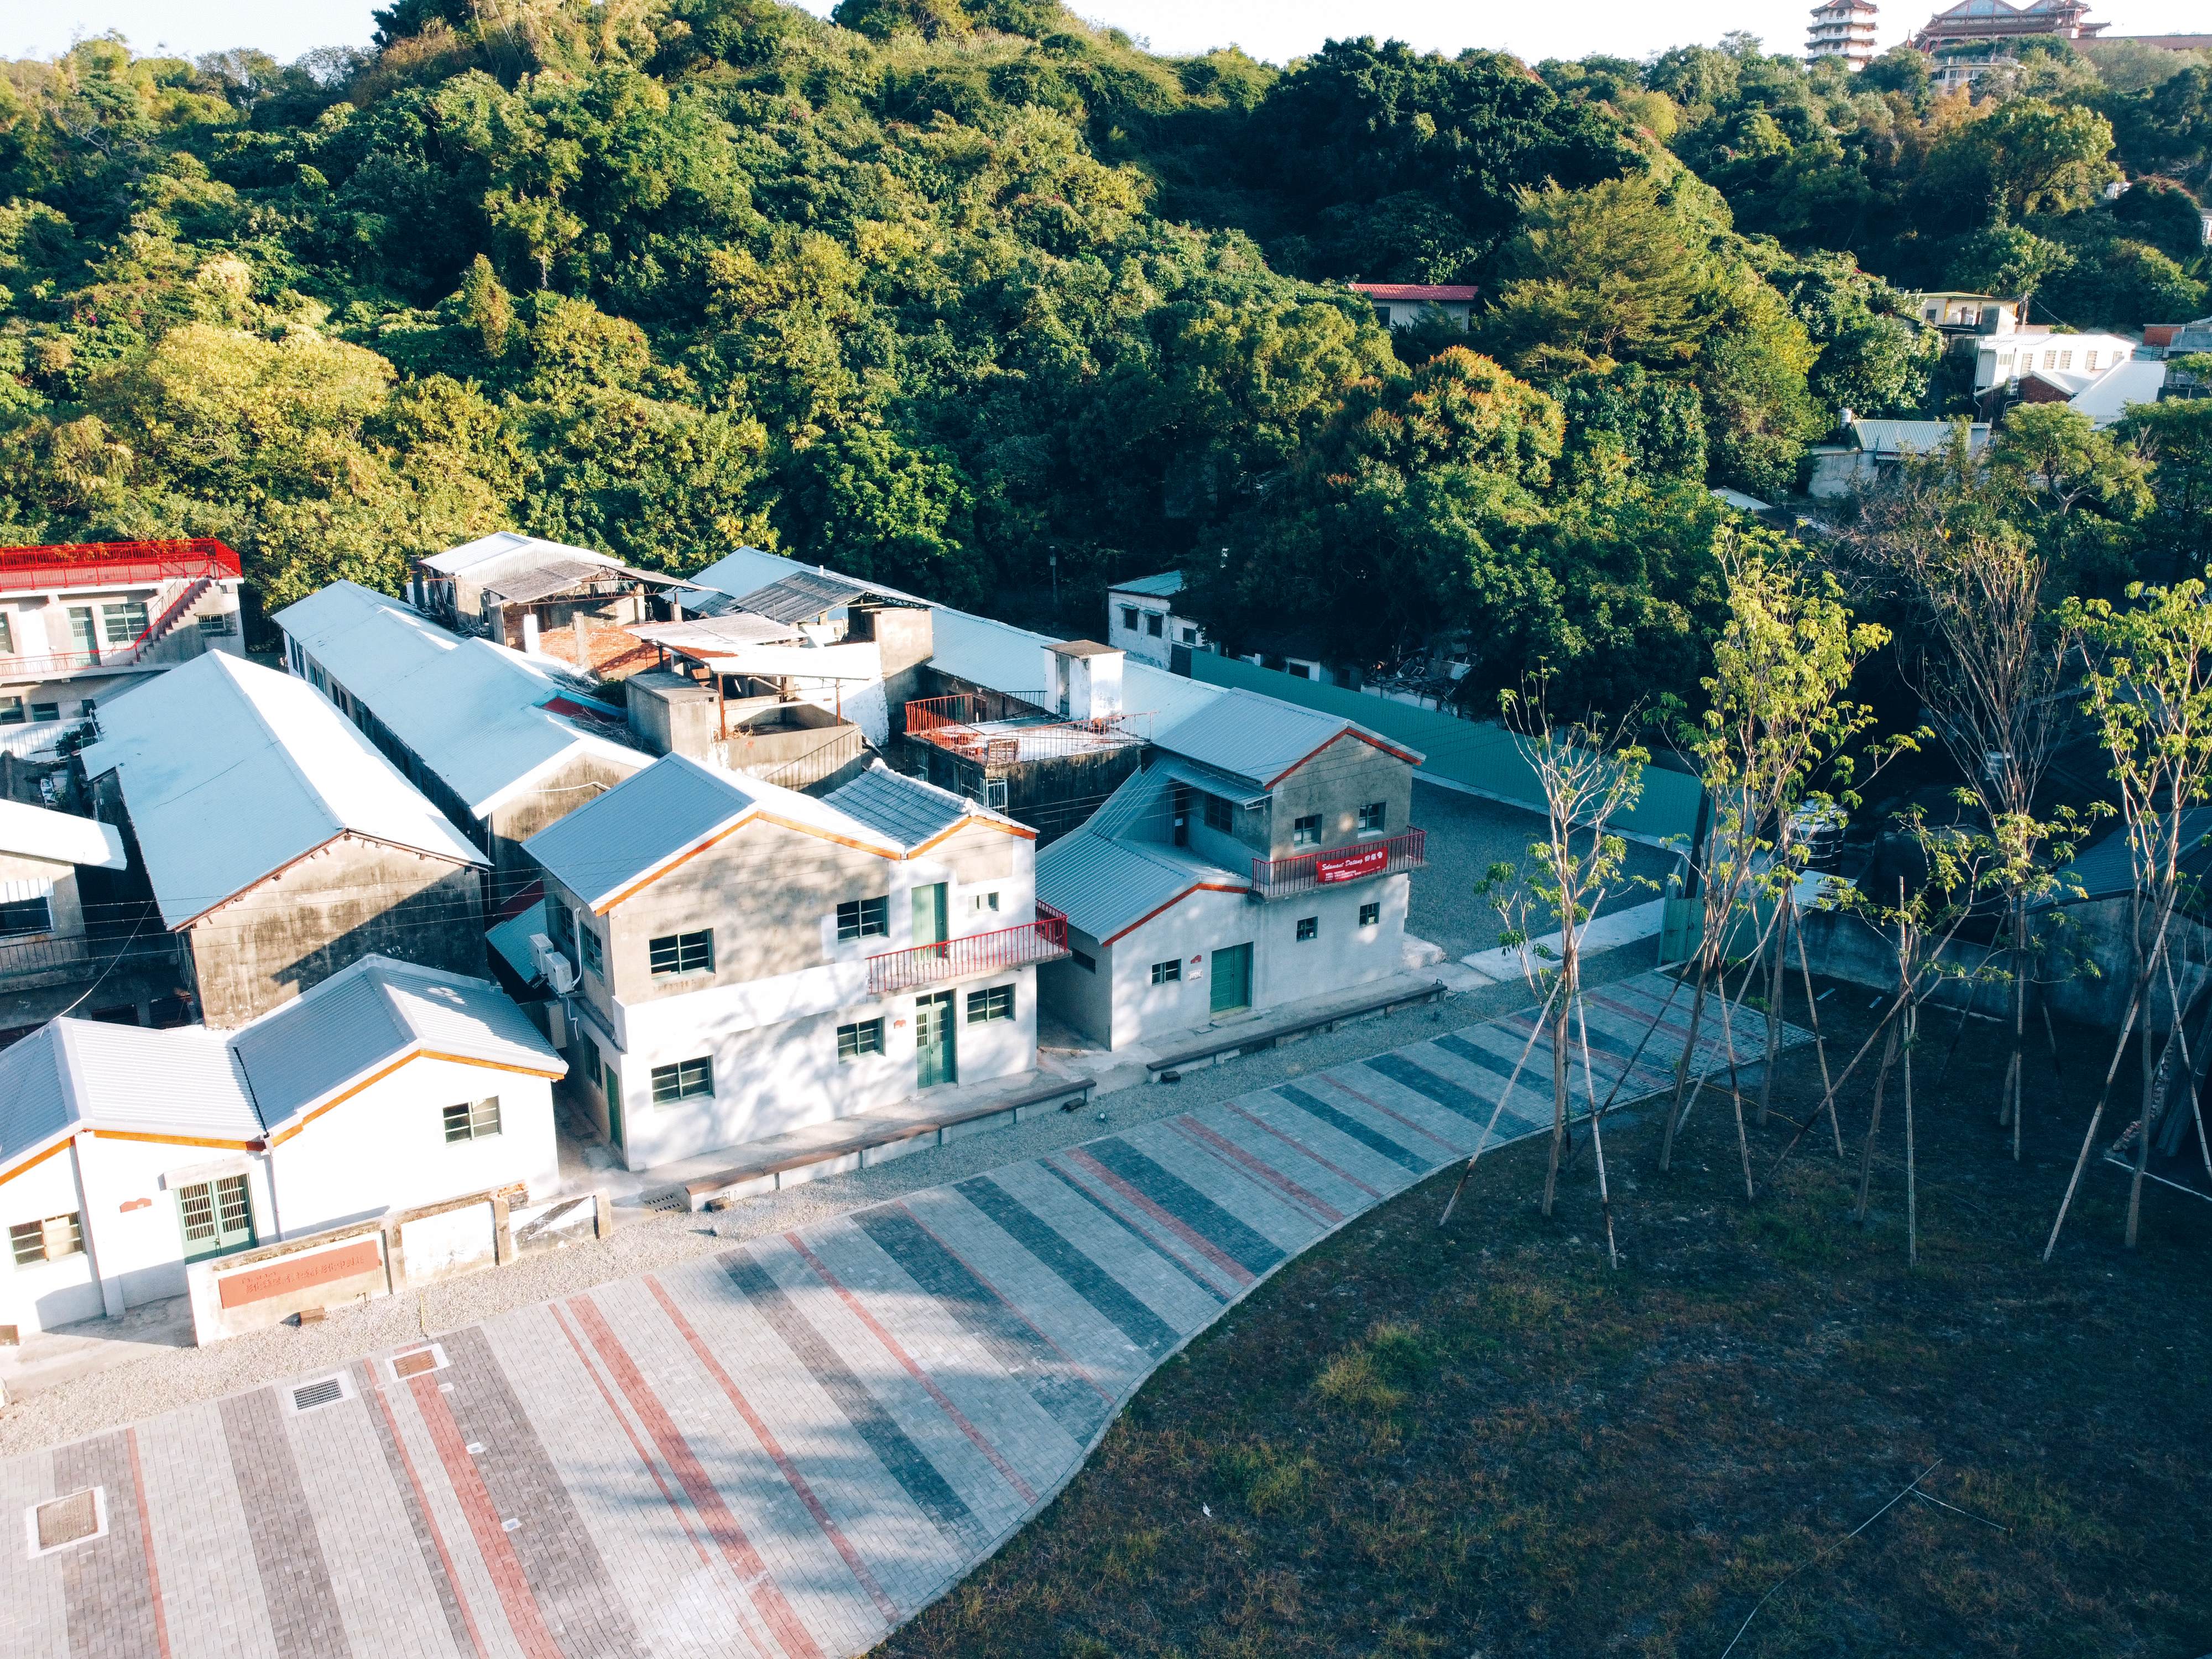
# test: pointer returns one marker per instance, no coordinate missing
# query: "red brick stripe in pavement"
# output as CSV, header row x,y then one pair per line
x,y
1252,1164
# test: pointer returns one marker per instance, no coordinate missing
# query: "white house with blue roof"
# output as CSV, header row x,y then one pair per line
x,y
1262,857
748,960
1141,619
127,1153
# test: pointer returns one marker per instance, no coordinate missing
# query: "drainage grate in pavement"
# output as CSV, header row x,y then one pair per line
x,y
70,1519
323,1391
417,1362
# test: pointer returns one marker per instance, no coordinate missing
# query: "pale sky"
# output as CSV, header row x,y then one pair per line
x,y
1277,30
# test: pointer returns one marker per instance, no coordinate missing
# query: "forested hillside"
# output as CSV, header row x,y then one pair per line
x,y
949,289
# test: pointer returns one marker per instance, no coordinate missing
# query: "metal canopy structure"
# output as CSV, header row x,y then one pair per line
x,y
806,594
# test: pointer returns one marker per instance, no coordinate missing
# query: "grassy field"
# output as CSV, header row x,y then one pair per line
x,y
1483,1442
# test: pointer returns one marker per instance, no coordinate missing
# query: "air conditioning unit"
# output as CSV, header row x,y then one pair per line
x,y
559,973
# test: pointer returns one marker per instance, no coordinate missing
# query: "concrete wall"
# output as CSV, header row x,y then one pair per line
x,y
672,714
769,1079
547,799
1119,1005
345,901
1335,783
385,1147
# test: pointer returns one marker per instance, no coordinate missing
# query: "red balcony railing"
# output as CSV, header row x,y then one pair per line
x,y
116,564
1385,855
1044,939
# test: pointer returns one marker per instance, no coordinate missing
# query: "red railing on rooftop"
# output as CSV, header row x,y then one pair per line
x,y
115,564
1001,731
1044,939
1385,855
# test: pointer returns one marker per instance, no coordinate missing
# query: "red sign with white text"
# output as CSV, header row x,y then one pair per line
x,y
1349,863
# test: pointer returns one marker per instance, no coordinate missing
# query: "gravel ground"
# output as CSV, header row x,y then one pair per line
x,y
1467,835
644,1241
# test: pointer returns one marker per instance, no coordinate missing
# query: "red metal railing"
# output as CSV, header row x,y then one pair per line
x,y
1044,939
115,564
1384,856
64,662
1002,730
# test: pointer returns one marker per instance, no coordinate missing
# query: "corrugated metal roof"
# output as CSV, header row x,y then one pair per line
x,y
511,938
34,1097
475,558
1165,586
607,843
1920,437
230,771
39,832
2105,870
905,809
1139,801
373,1012
473,712
1259,738
523,580
1104,886
178,1081
802,595
716,635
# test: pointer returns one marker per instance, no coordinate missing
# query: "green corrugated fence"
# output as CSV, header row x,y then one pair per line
x,y
1479,755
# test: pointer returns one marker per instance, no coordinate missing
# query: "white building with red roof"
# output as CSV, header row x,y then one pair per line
x,y
1399,305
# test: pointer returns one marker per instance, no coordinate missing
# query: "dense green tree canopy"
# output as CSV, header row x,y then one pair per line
x,y
957,292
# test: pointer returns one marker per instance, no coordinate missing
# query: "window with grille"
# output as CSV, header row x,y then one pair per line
x,y
861,1037
121,623
1308,929
587,943
688,1080
1373,818
995,1002
217,1216
20,916
1167,973
1088,964
1220,814
1371,915
684,953
48,1240
866,918
46,711
220,623
1305,831
473,1120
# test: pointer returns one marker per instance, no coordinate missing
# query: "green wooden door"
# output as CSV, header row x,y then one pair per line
x,y
610,1086
929,915
1232,989
217,1216
934,1059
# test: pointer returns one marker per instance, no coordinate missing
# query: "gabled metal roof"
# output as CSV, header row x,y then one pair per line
x,y
804,595
1105,887
905,809
230,771
87,1074
474,559
377,1011
609,842
1260,739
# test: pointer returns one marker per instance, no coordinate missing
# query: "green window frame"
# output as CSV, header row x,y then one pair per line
x,y
1305,830
1308,929
682,954
473,1120
993,1002
1169,972
687,1079
864,918
1220,814
862,1036
1374,816
1371,915
587,943
11,711
50,1238
216,1216
123,621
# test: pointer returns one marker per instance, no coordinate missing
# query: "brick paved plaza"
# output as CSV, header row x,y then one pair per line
x,y
784,1449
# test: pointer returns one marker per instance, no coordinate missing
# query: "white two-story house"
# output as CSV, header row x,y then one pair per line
x,y
1262,857
80,623
747,960
1141,619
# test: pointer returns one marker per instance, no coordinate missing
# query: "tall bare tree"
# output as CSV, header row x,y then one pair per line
x,y
2148,675
1991,666
1777,727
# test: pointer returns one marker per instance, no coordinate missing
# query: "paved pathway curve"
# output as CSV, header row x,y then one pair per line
x,y
783,1451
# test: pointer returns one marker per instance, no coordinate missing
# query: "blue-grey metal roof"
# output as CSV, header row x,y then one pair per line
x,y
375,1012
1165,586
905,809
803,594
2105,870
1260,738
34,1099
1105,887
646,819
